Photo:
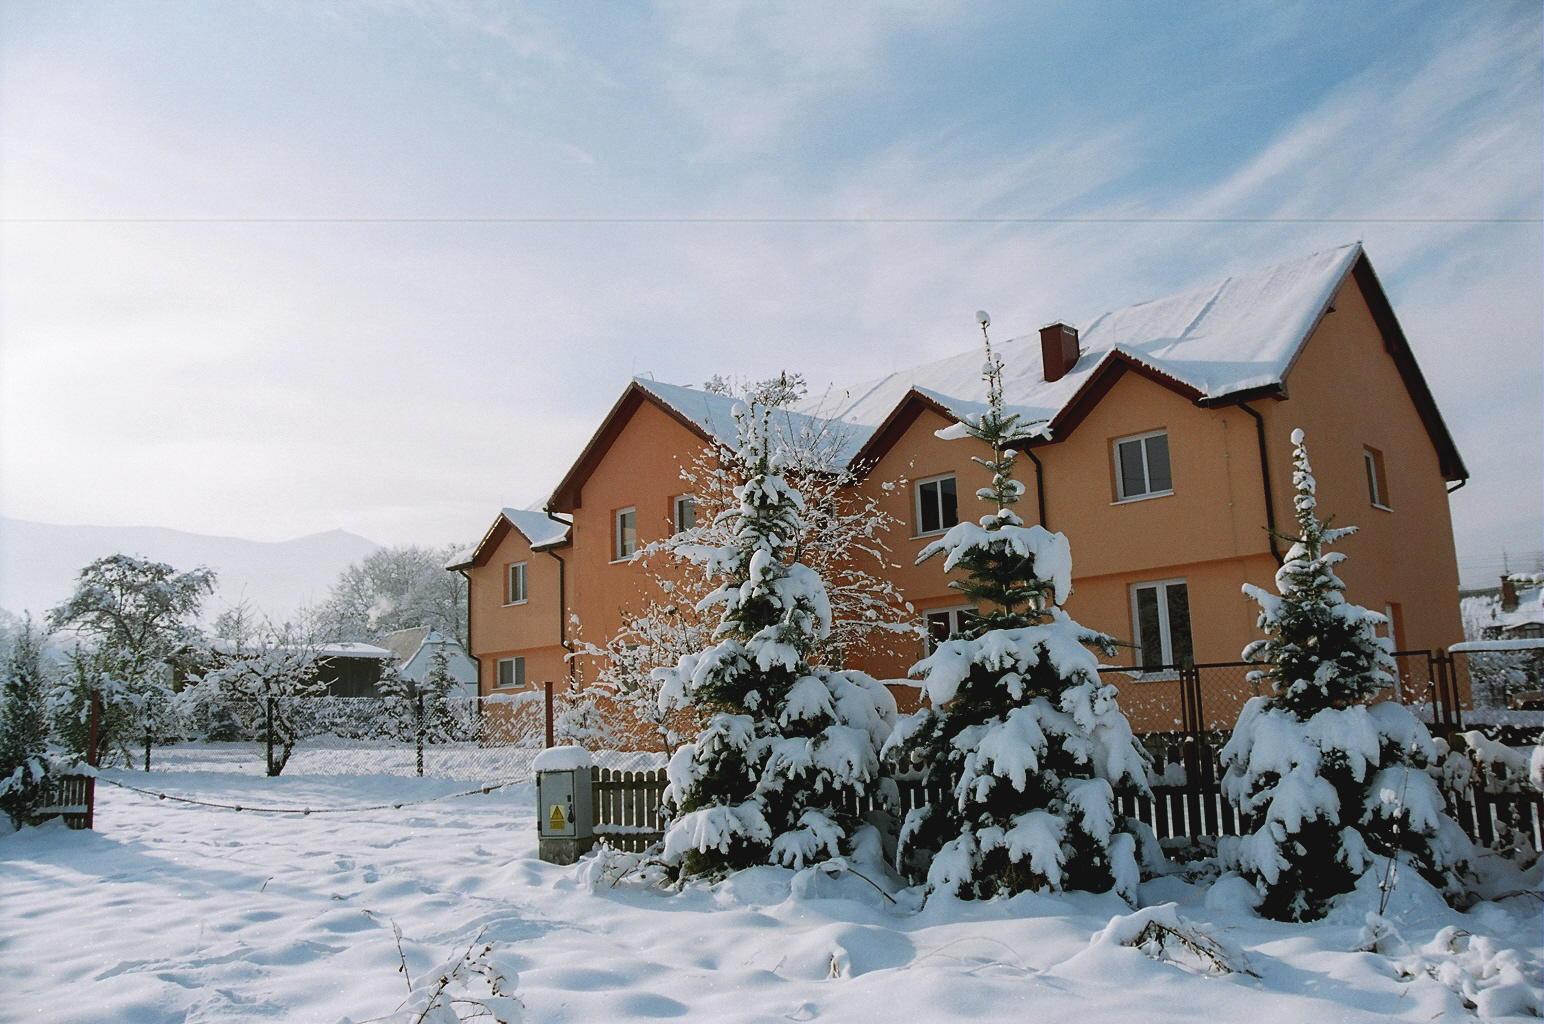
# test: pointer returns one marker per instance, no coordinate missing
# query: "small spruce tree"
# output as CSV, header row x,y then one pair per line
x,y
23,726
788,747
1334,782
1030,744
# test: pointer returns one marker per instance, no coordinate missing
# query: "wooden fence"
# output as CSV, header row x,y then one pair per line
x,y
71,797
627,809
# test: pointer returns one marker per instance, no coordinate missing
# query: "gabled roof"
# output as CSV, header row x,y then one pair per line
x,y
1227,341
534,525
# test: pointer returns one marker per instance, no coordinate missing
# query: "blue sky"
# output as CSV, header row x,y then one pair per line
x,y
269,379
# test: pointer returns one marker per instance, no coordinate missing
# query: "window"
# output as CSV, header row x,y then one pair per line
x,y
938,505
514,584
1142,466
1160,619
626,543
685,513
511,673
946,624
1377,480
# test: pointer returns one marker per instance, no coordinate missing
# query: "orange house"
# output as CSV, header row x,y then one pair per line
x,y
1162,452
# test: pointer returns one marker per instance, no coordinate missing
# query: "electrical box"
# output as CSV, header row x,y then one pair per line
x,y
565,810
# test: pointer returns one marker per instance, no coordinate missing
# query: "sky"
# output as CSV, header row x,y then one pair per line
x,y
269,268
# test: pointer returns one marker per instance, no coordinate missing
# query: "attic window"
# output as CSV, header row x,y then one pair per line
x,y
1377,480
1142,466
937,505
626,541
514,584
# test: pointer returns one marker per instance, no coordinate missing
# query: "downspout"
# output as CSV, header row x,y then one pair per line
x,y
568,662
467,575
1458,484
1265,480
1039,485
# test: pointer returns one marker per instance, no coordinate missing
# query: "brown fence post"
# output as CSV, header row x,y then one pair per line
x,y
93,757
548,687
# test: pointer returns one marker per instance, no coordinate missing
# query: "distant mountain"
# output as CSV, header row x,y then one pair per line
x,y
39,562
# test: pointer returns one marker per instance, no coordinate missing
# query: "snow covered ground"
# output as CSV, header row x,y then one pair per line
x,y
170,913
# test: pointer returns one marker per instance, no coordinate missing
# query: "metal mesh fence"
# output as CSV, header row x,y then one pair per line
x,y
475,739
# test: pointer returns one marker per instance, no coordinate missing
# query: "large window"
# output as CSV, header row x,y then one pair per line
x,y
946,624
684,512
626,541
1142,466
938,505
511,673
1160,620
1377,480
514,584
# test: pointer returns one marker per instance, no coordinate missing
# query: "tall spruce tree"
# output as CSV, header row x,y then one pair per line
x,y
1335,783
788,746
1030,744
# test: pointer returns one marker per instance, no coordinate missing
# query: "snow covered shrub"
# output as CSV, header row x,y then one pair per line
x,y
417,707
1490,979
1160,932
256,680
1472,761
1029,742
474,986
788,747
1331,781
24,757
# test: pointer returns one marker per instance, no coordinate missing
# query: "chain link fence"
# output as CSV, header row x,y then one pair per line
x,y
474,739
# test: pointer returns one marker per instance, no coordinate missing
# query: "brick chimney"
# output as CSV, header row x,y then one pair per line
x,y
1059,349
1508,594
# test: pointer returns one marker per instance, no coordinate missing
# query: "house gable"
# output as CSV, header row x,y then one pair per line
x,y
569,493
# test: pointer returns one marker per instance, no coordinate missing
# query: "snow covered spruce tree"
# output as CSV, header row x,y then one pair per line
x,y
1030,744
1335,784
24,760
788,746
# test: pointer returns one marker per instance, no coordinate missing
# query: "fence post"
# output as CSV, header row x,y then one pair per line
x,y
268,732
548,687
418,728
93,758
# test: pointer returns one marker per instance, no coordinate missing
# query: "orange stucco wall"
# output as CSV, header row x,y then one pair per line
x,y
642,469
528,630
1345,391
1346,395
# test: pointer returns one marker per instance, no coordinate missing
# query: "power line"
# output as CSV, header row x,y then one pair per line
x,y
769,221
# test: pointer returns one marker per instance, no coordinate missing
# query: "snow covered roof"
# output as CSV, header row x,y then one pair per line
x,y
342,649
534,525
1234,335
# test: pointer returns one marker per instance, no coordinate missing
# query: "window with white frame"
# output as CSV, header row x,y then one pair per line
x,y
946,624
938,504
625,544
1377,480
511,673
514,584
684,513
1142,466
1160,623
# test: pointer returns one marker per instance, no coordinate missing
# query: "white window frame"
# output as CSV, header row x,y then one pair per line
x,y
1377,477
956,614
525,584
616,534
1165,633
516,673
916,504
675,511
1121,497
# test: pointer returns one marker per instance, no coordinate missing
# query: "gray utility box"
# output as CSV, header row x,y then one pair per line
x,y
565,810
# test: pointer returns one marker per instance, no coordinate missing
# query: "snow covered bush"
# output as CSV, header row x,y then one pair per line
x,y
24,760
1029,742
1331,781
422,707
788,747
255,681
